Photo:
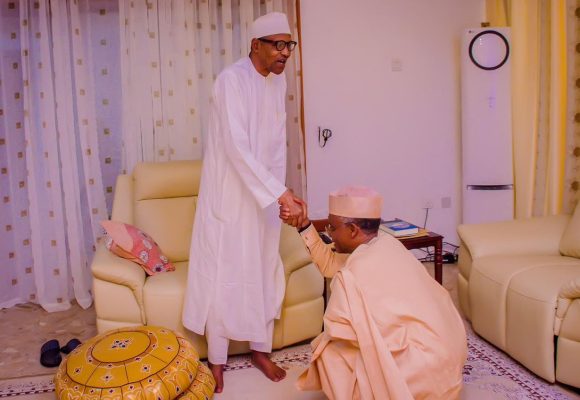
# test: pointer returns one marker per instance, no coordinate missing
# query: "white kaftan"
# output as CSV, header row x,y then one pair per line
x,y
235,268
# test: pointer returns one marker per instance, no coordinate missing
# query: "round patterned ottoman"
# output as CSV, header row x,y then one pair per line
x,y
145,362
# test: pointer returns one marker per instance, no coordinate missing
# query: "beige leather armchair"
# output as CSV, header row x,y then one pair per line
x,y
160,199
519,284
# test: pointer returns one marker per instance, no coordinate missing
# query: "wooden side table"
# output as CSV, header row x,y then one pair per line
x,y
432,239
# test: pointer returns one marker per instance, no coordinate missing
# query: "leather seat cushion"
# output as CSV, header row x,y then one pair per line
x,y
501,269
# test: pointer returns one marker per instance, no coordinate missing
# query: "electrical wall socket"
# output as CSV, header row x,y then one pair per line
x,y
427,203
396,65
445,202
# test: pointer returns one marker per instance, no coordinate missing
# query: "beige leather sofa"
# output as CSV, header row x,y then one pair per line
x,y
519,284
160,199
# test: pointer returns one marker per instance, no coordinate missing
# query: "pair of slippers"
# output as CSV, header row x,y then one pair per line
x,y
50,352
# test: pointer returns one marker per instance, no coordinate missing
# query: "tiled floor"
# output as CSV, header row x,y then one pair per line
x,y
24,328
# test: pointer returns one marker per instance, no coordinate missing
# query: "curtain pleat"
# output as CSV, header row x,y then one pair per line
x,y
558,109
540,44
497,12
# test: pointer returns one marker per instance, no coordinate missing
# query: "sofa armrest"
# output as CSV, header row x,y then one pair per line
x,y
531,236
123,200
292,250
568,293
108,267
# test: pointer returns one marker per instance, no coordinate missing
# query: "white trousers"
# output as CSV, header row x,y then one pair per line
x,y
217,346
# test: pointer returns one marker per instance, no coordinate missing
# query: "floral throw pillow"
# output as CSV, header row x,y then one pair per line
x,y
129,242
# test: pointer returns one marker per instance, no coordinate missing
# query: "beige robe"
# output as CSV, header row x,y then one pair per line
x,y
390,330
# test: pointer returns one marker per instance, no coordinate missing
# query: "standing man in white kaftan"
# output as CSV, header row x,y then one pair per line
x,y
236,279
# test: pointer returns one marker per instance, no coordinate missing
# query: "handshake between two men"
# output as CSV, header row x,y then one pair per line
x,y
293,210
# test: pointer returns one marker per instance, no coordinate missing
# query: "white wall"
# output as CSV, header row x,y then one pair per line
x,y
395,131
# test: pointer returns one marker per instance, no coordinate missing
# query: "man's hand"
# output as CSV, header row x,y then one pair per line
x,y
285,216
293,209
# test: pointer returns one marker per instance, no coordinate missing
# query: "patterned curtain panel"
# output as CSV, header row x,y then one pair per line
x,y
172,52
296,171
51,169
552,147
87,89
542,46
572,187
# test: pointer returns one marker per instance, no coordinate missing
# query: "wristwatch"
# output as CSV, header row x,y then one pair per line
x,y
300,230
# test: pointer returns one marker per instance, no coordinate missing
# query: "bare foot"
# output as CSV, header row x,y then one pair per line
x,y
217,370
267,366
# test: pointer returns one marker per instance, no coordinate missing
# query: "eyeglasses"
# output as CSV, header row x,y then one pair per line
x,y
280,44
329,228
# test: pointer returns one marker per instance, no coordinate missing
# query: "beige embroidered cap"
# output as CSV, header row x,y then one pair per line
x,y
355,202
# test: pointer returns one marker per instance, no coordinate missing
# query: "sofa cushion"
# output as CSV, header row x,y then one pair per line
x,y
501,269
170,222
532,236
128,241
570,242
166,180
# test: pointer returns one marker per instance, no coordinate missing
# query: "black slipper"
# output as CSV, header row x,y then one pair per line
x,y
70,346
50,354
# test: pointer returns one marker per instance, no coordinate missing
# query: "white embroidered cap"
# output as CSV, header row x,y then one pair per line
x,y
270,24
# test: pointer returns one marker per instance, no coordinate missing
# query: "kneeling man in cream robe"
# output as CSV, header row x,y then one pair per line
x,y
390,330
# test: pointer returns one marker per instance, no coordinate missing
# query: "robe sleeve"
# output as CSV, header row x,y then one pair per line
x,y
233,114
327,261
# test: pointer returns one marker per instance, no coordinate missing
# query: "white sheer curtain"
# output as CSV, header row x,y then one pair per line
x,y
88,88
171,53
51,135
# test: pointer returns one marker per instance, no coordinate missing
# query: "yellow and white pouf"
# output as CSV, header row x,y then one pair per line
x,y
145,362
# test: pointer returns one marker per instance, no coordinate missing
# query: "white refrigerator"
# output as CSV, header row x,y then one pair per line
x,y
486,133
